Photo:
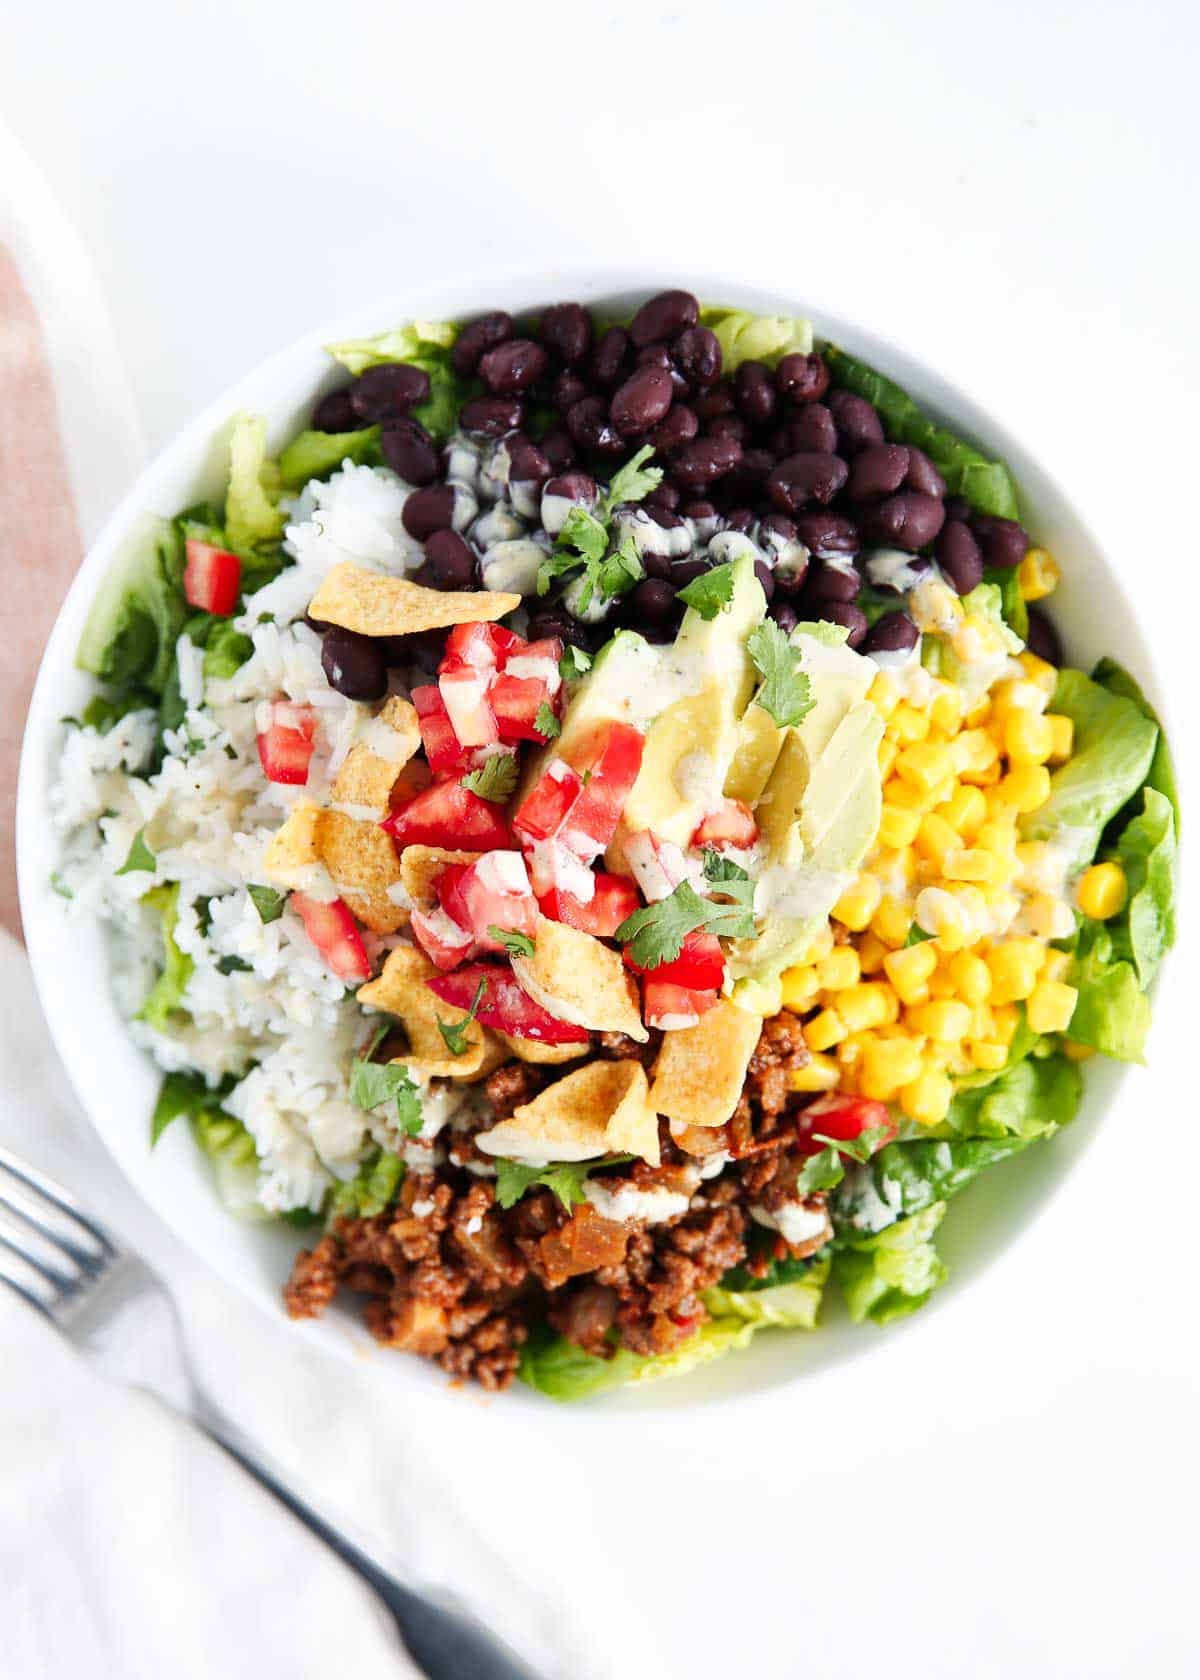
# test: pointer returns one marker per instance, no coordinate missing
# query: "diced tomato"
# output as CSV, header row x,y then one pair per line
x,y
211,577
492,892
658,865
515,703
446,754
440,937
334,932
549,647
611,755
484,647
506,1006
286,745
464,692
615,899
700,965
845,1118
670,1007
542,812
732,824
448,814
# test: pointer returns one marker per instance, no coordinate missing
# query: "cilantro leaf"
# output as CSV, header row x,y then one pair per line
x,y
728,877
495,779
573,664
820,1172
917,935
179,1093
454,1033
267,902
545,722
655,934
711,592
373,1083
784,692
564,1178
516,944
140,856
860,1148
634,481
585,533
233,965
621,570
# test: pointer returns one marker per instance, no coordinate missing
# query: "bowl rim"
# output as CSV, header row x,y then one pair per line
x,y
523,288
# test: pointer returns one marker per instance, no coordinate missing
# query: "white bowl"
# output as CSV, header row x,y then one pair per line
x,y
117,1084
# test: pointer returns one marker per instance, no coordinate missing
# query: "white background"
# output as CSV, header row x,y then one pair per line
x,y
1011,190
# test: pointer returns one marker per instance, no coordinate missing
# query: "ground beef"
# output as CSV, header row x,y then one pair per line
x,y
619,1047
511,1086
314,1280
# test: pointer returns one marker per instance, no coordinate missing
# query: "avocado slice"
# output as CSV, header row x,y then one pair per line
x,y
623,669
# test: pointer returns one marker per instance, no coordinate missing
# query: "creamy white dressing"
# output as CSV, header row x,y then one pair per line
x,y
801,891
795,1223
892,568
649,1207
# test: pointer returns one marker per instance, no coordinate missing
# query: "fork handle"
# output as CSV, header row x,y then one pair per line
x,y
443,1638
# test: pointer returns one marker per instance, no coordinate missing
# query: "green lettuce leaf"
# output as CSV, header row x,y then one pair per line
x,y
225,649
1112,1013
987,485
252,513
788,1306
562,1371
758,338
372,1188
905,1178
1012,603
1114,747
1147,852
167,992
1161,776
1030,1099
892,1273
317,454
400,344
129,638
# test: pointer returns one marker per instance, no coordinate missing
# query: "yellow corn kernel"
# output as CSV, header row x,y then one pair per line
x,y
1078,1052
975,863
941,985
977,715
998,834
825,1030
1028,738
907,724
1039,671
859,903
927,1098
1062,737
885,755
1015,696
988,1056
800,987
759,997
909,970
866,1005
946,710
820,1073
1014,968
1007,1018
849,1050
898,825
983,1020
973,751
1026,787
965,810
891,923
934,606
984,778
1048,917
1050,1007
871,952
887,1064
945,1020
1056,965
822,944
971,976
1102,891
1037,575
839,969
884,694
926,764
936,839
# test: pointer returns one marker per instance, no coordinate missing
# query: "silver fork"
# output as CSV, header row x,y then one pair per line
x,y
117,1312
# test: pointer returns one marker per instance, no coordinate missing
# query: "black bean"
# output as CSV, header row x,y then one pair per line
x,y
513,366
699,510
566,331
427,511
957,507
679,427
801,379
355,665
664,498
479,335
703,460
664,315
895,632
589,425
653,600
685,570
854,619
780,527
959,556
785,615
754,393
569,388
1043,638
556,622
908,519
575,486
608,358
381,392
918,565
922,475
877,470
828,535
449,561
749,477
809,427
642,401
697,355
740,519
410,451
559,449
335,412
810,476
656,565
729,425
857,422
833,583
1004,541
491,416
791,569
765,576
717,401
657,355
527,464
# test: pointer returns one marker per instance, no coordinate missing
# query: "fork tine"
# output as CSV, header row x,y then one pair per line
x,y
9,1277
28,1212
57,1197
62,1281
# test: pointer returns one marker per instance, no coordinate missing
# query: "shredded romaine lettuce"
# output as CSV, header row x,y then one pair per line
x,y
252,513
317,454
167,992
400,344
758,338
892,1273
